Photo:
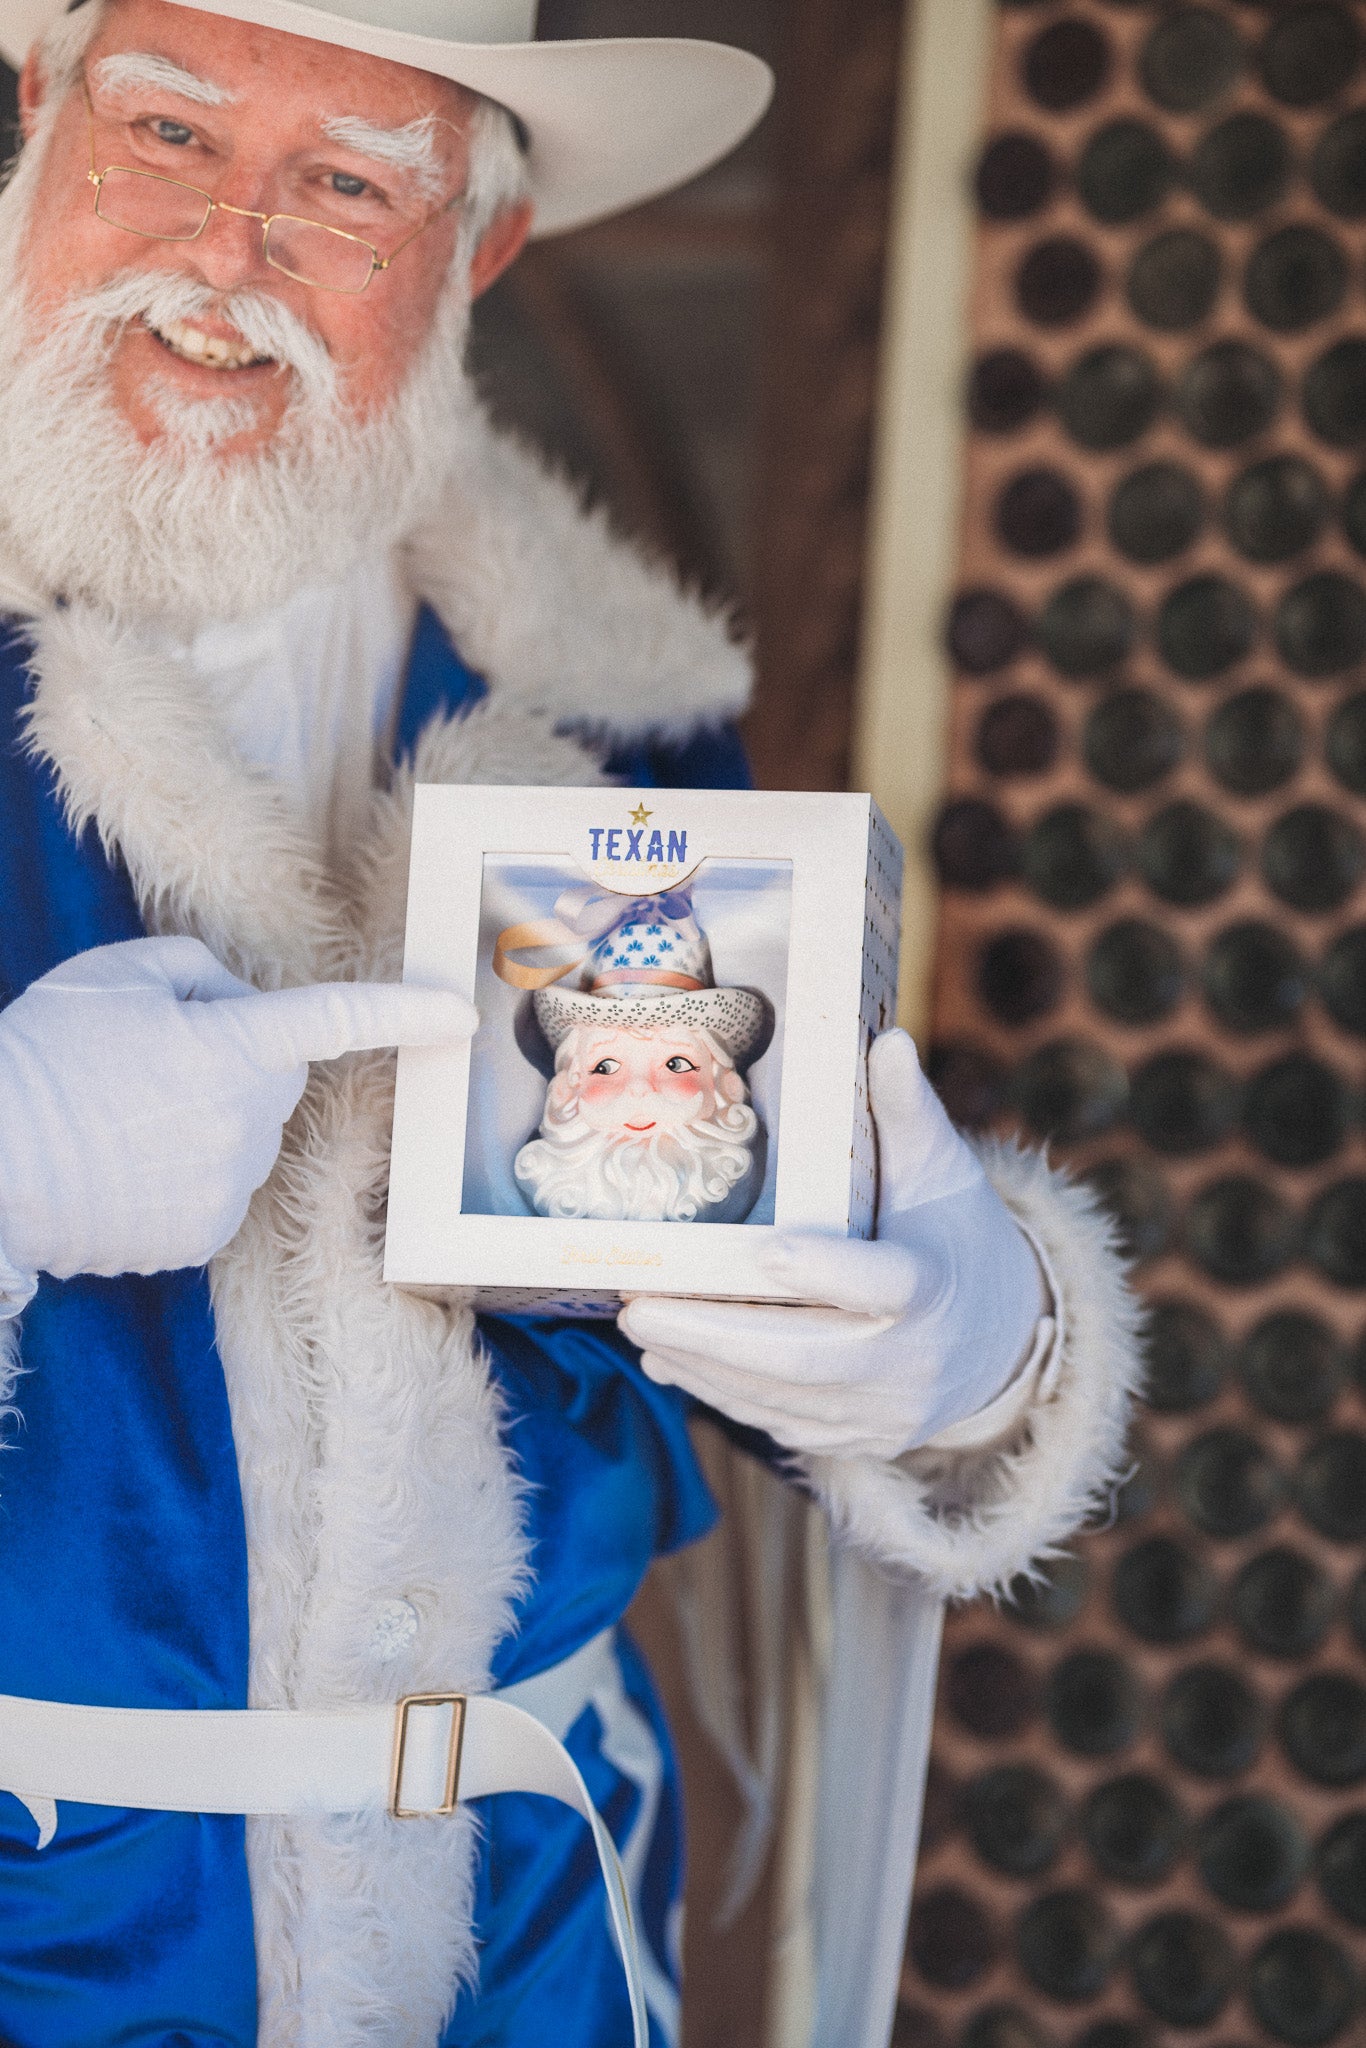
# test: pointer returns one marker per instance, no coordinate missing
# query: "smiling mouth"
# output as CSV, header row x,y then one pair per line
x,y
209,351
639,1127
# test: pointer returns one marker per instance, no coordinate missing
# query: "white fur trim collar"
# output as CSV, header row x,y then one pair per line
x,y
561,614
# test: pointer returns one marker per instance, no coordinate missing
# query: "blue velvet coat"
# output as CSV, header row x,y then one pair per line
x,y
123,1574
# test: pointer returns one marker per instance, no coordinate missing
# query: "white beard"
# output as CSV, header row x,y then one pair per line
x,y
675,1176
177,530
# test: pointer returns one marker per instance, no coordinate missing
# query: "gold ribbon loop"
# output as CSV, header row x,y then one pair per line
x,y
538,935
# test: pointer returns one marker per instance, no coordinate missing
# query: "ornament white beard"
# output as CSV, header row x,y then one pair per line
x,y
178,530
674,1175
670,1177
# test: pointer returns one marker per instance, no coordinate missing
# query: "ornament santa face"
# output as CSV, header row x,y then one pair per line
x,y
647,1117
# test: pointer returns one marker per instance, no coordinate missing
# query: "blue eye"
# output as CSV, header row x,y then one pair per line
x,y
174,132
678,1065
349,186
607,1067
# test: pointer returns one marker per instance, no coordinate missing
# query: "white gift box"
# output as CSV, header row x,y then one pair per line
x,y
798,895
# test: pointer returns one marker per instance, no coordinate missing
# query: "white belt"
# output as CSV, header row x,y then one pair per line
x,y
414,1759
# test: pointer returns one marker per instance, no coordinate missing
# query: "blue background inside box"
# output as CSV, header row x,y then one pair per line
x,y
745,908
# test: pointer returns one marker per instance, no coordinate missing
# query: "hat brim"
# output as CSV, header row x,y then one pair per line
x,y
612,121
739,1017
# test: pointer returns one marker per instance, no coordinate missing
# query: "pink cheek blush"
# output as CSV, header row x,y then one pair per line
x,y
604,1087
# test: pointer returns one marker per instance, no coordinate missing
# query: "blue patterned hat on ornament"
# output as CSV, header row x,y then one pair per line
x,y
651,969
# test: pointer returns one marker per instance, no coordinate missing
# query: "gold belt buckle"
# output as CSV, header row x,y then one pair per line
x,y
456,1702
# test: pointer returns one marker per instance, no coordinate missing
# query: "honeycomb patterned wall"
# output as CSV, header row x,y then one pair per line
x,y
1147,1810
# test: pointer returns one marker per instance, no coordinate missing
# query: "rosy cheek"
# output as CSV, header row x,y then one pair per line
x,y
683,1087
603,1087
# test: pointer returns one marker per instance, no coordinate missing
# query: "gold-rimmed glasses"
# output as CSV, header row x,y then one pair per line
x,y
163,209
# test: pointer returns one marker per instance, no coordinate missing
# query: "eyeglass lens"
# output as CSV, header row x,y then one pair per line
x,y
318,255
144,204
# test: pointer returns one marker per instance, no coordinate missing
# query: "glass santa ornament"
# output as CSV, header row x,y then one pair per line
x,y
648,1116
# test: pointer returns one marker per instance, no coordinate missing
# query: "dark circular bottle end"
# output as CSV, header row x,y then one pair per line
x,y
1017,736
1254,978
1162,1593
1014,177
1174,280
1187,1358
951,1941
1212,1722
1135,972
1058,281
986,630
1301,1987
1323,1729
1255,741
1183,1966
1240,1232
1094,1703
974,847
1252,1853
1240,167
1005,391
1190,60
1282,1604
1067,1945
1066,64
989,1692
1132,739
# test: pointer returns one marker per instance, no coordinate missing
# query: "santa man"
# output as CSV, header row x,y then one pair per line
x,y
263,565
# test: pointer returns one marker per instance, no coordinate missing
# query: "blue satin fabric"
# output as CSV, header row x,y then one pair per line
x,y
122,1561
123,1566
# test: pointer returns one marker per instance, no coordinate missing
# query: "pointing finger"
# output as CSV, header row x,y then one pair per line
x,y
285,1027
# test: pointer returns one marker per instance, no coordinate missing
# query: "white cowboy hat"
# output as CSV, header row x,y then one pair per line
x,y
611,121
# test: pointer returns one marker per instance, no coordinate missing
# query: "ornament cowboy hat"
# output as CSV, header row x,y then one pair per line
x,y
611,121
647,967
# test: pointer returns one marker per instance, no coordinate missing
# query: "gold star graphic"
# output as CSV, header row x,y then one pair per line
x,y
640,816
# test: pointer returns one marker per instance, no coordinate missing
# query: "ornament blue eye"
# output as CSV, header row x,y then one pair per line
x,y
607,1067
678,1065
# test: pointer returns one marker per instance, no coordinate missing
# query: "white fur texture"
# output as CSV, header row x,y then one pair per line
x,y
9,1364
970,1522
211,845
599,637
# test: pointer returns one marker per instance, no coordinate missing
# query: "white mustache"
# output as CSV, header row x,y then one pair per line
x,y
158,299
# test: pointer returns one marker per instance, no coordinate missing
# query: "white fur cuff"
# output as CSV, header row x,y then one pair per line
x,y
17,1288
969,1521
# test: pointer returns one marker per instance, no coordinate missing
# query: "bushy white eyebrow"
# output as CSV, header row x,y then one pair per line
x,y
130,71
411,148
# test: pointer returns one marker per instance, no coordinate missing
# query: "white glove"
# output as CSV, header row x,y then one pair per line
x,y
928,1322
143,1094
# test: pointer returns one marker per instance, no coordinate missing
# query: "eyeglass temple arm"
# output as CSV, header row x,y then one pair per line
x,y
96,177
383,262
